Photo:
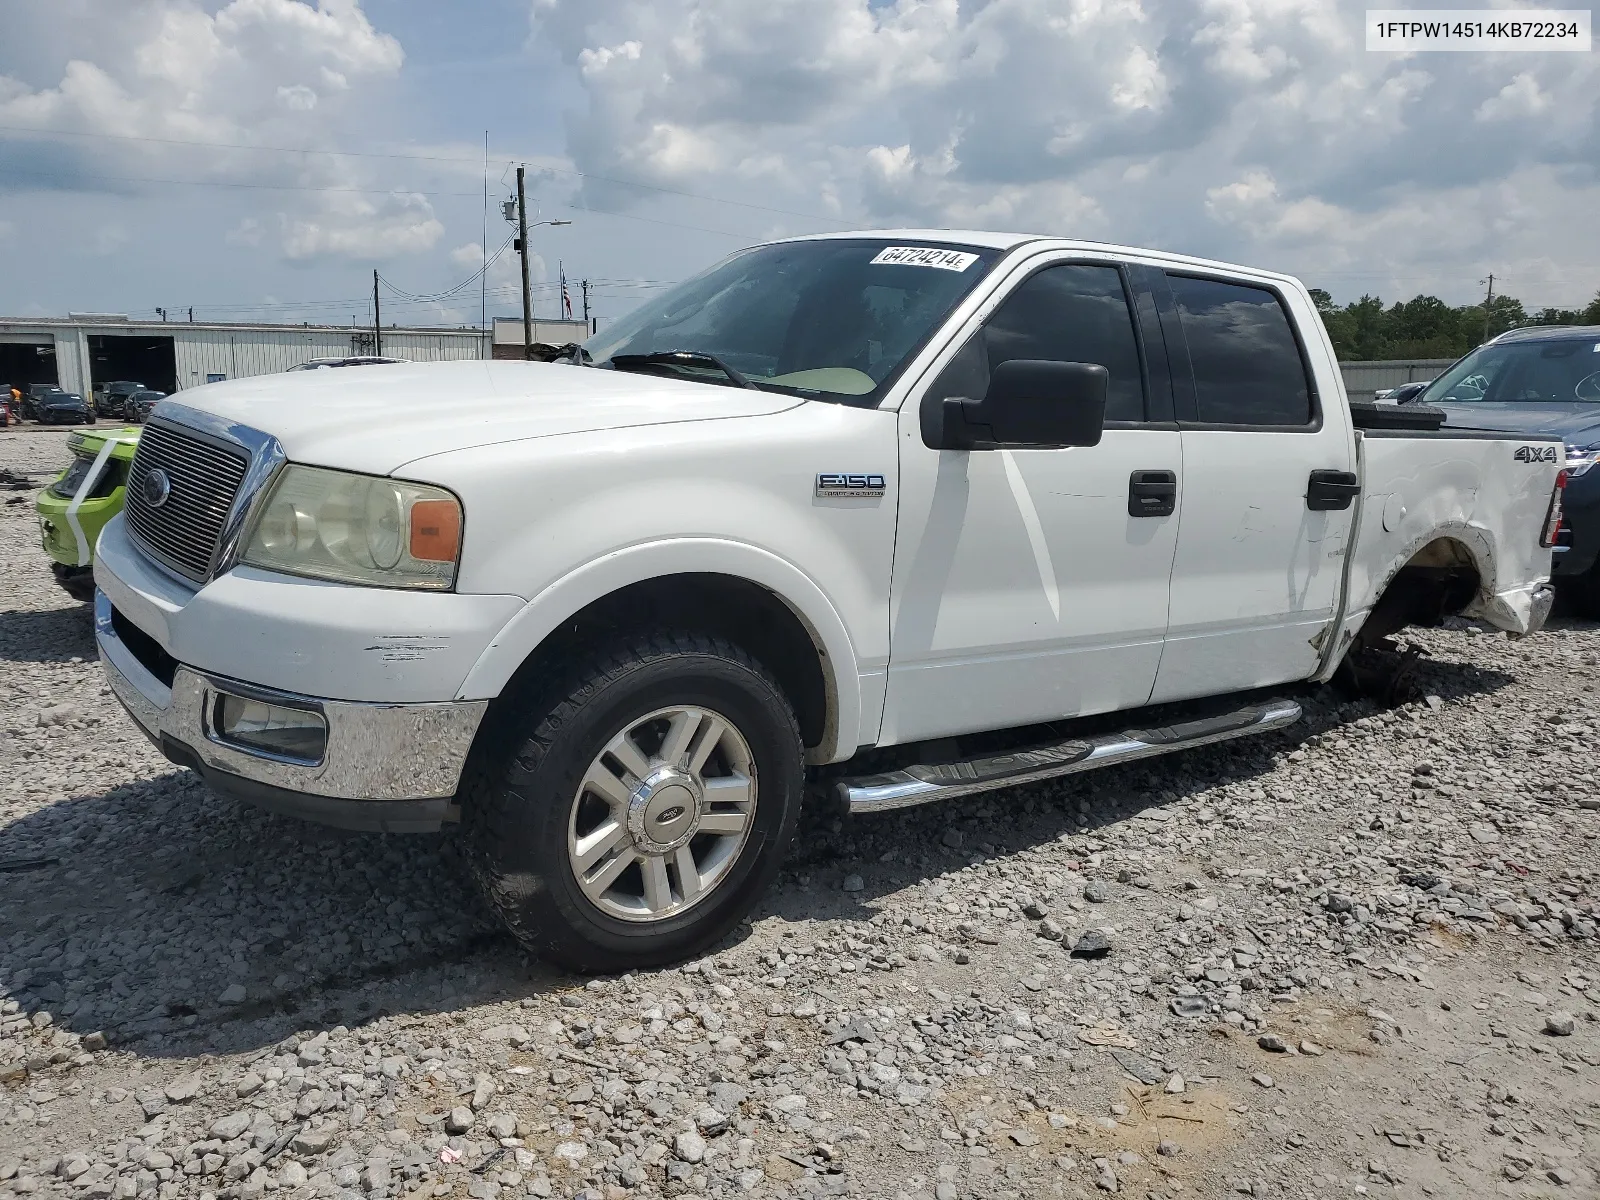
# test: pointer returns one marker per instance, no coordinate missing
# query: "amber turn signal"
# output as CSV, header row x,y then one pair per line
x,y
435,530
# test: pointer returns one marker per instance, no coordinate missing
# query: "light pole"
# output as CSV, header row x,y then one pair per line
x,y
523,226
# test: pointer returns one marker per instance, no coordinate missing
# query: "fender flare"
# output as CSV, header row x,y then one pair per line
x,y
610,573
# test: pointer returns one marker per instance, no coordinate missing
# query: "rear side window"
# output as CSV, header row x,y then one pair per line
x,y
1247,365
1074,312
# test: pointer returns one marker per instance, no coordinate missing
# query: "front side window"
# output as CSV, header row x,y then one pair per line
x,y
1564,371
827,319
1074,312
1247,365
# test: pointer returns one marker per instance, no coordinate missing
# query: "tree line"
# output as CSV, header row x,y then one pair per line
x,y
1427,327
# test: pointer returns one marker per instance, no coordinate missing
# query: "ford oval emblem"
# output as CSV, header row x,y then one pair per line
x,y
157,488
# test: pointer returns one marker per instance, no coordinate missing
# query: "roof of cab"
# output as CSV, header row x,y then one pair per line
x,y
1011,241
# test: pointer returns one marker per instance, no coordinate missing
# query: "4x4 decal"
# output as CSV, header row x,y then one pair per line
x,y
1535,454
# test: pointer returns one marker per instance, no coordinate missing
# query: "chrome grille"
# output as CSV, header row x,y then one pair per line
x,y
205,477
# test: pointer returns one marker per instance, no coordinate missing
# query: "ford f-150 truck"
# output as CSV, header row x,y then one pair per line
x,y
880,518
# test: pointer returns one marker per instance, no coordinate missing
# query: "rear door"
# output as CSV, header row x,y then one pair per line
x,y
1268,487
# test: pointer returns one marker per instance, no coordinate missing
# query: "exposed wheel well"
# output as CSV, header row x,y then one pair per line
x,y
744,613
1439,580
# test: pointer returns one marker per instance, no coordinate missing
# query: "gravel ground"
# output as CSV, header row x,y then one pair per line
x,y
1357,957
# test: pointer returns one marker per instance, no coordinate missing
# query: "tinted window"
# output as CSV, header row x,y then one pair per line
x,y
1542,372
1070,313
1247,367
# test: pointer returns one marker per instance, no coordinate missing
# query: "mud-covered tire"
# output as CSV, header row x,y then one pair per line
x,y
518,805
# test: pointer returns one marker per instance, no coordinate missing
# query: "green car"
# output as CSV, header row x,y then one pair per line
x,y
78,503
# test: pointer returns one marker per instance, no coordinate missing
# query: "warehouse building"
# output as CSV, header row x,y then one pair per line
x,y
82,352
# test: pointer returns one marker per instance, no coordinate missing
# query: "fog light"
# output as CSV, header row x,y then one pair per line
x,y
296,733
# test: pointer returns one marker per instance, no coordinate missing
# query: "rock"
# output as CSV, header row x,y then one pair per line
x,y
459,1119
1559,1024
503,1125
248,1085
1167,1148
1096,892
1174,1085
184,1088
1035,911
1049,930
1311,1048
310,1142
94,1041
570,1152
1272,1043
1262,1079
853,883
689,1146
952,837
233,994
1483,834
1092,943
1189,1006
1338,902
231,1126
292,1175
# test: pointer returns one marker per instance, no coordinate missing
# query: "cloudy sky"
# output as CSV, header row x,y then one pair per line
x,y
259,158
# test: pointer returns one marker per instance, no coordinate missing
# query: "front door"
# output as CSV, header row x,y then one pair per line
x,y
1024,588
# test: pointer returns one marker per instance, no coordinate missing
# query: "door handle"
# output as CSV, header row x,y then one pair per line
x,y
1152,493
1329,491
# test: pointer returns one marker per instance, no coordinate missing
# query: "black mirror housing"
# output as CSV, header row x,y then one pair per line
x,y
1031,404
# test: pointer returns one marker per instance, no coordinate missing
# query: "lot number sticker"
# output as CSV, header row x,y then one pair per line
x,y
924,256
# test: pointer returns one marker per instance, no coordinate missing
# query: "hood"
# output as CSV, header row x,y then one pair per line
x,y
62,402
377,418
1577,423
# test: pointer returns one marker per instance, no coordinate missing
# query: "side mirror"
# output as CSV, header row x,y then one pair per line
x,y
1031,404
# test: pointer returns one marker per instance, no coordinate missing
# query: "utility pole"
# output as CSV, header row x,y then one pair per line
x,y
1488,307
377,323
586,304
522,248
191,314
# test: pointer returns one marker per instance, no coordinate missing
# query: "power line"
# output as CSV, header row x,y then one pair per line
x,y
651,187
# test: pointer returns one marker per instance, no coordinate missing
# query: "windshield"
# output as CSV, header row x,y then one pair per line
x,y
834,320
1566,371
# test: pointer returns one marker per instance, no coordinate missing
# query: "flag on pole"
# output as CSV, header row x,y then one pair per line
x,y
566,300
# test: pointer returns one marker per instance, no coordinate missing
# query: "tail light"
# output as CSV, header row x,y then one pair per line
x,y
1552,520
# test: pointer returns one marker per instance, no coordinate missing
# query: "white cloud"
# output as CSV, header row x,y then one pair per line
x,y
1239,128
1522,97
267,72
355,227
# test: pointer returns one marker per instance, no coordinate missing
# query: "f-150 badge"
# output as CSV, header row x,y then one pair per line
x,y
854,487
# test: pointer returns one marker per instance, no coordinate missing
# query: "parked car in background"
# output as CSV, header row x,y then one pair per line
x,y
76,505
113,401
1541,382
1403,394
34,397
354,360
136,407
64,408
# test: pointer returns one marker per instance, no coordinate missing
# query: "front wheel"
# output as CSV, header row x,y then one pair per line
x,y
640,815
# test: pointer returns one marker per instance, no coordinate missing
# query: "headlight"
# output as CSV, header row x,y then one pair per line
x,y
1580,459
358,529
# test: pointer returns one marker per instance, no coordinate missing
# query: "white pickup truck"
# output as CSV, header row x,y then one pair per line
x,y
802,525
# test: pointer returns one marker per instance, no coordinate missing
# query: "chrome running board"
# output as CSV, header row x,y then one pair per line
x,y
922,784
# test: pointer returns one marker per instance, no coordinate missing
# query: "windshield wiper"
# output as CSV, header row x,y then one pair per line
x,y
683,358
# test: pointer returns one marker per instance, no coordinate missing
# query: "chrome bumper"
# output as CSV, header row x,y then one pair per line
x,y
386,766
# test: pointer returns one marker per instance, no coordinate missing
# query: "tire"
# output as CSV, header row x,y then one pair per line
x,y
563,801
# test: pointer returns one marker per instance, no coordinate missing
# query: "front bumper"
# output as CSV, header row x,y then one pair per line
x,y
386,767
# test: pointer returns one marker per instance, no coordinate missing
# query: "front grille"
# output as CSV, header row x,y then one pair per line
x,y
205,477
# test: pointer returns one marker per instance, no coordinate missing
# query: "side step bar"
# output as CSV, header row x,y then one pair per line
x,y
922,784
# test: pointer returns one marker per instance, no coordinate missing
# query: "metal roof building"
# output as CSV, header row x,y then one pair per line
x,y
84,351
